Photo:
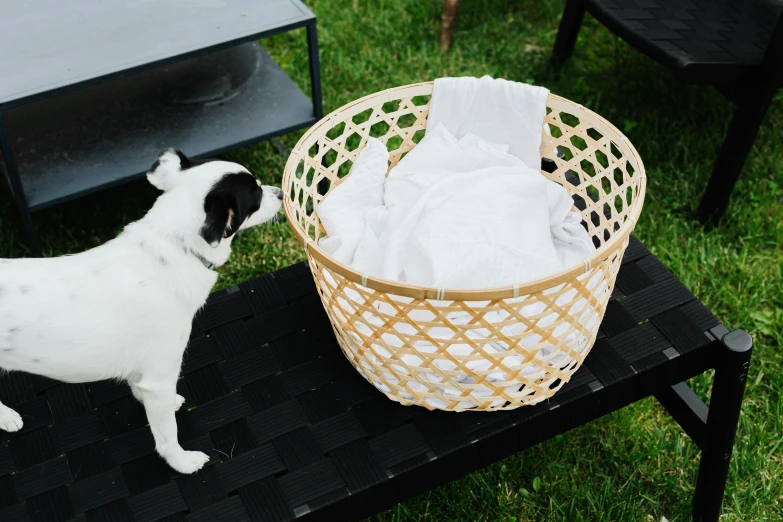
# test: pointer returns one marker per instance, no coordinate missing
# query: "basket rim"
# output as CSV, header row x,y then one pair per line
x,y
606,250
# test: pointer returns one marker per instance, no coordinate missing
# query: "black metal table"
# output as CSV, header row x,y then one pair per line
x,y
91,91
294,432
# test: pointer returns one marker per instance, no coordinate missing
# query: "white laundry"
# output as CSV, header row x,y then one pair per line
x,y
496,110
467,208
453,214
343,213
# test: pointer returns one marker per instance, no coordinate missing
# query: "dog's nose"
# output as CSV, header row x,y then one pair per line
x,y
279,193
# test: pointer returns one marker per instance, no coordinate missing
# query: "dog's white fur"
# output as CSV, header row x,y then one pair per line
x,y
124,310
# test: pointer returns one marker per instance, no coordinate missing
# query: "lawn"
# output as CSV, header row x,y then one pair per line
x,y
633,465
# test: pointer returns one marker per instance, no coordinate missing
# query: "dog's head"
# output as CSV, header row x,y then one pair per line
x,y
231,198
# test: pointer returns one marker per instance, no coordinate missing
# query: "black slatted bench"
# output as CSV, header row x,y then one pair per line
x,y
736,46
294,432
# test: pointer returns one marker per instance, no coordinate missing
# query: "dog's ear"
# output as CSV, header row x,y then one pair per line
x,y
166,172
227,205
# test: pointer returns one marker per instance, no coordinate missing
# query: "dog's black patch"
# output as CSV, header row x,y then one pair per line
x,y
24,289
185,163
188,163
196,162
228,204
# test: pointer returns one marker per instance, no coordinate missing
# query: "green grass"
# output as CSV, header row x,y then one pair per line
x,y
633,465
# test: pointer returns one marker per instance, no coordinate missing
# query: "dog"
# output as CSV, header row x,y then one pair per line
x,y
124,310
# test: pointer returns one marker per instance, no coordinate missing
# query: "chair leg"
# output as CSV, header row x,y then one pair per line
x,y
731,372
569,29
448,21
742,133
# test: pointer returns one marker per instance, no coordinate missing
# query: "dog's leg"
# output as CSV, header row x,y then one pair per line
x,y
137,393
159,397
9,420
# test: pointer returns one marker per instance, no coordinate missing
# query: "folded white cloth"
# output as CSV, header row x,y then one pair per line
x,y
497,110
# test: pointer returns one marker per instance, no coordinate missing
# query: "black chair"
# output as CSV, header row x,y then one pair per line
x,y
734,45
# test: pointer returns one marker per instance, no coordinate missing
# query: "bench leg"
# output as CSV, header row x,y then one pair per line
x,y
448,21
569,29
731,158
17,190
731,372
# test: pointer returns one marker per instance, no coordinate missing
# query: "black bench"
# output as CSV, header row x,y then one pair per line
x,y
295,432
736,46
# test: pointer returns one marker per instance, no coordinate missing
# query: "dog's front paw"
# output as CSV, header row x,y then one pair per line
x,y
178,402
187,462
9,419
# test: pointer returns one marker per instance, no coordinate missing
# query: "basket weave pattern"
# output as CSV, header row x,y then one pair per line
x,y
486,349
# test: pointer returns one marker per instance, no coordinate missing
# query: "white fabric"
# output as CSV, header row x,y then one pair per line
x,y
497,110
464,214
343,211
455,214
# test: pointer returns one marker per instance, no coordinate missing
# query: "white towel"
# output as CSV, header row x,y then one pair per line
x,y
496,110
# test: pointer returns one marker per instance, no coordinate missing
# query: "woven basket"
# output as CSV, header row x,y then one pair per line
x,y
515,345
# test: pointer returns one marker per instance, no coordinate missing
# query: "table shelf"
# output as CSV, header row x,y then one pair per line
x,y
92,91
107,134
59,46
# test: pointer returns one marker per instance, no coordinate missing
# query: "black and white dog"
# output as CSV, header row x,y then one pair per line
x,y
124,310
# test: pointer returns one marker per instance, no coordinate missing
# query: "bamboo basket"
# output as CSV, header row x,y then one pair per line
x,y
515,345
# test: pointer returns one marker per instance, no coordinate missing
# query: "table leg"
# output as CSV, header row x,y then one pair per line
x,y
315,71
315,82
17,190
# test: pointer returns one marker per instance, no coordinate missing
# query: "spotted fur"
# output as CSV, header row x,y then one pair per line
x,y
124,310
